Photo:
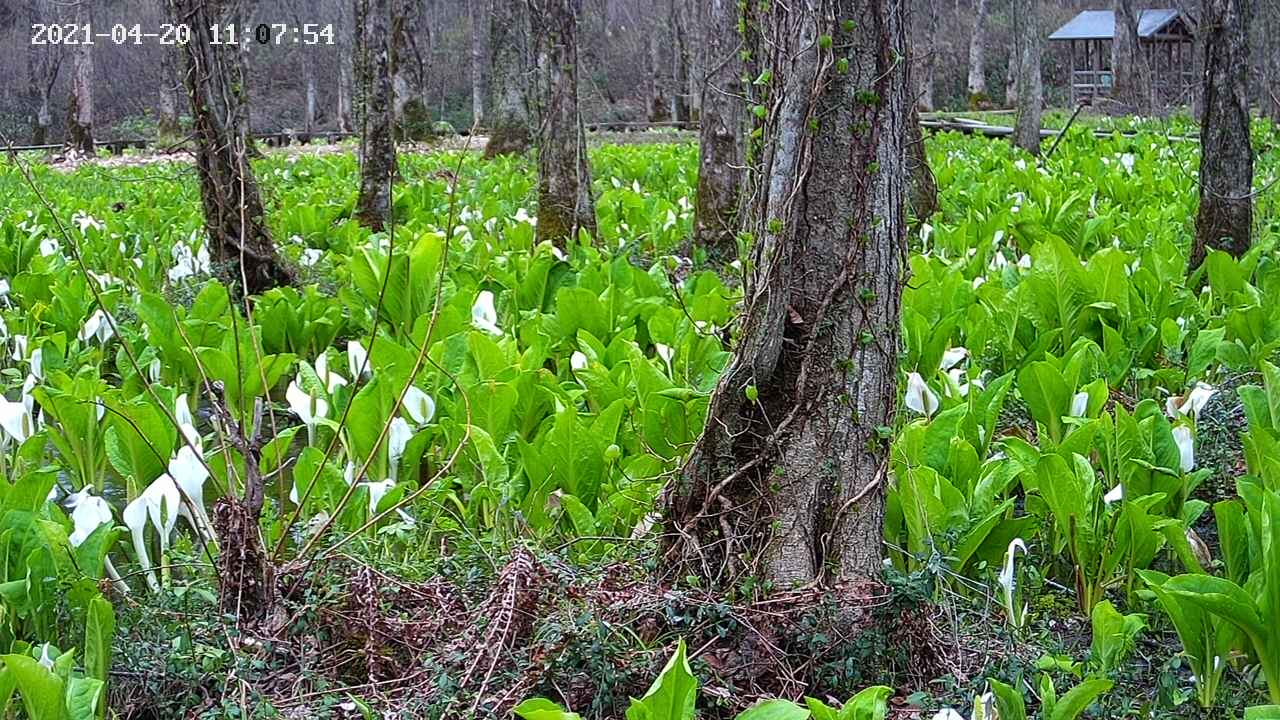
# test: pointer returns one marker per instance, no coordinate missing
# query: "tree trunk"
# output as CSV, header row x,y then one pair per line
x,y
1011,78
1026,130
720,158
479,59
1226,156
659,105
977,57
927,57
565,200
167,123
80,111
924,188
1270,100
234,218
509,75
377,119
787,481
1130,84
43,63
309,106
679,65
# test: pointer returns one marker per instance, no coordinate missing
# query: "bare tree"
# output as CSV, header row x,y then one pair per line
x,y
479,16
509,75
168,94
720,160
374,77
1270,90
1026,130
924,53
233,212
1131,83
659,103
1226,156
924,187
80,111
978,56
565,200
43,63
787,481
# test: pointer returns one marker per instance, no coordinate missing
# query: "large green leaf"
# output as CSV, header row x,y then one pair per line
x,y
41,689
775,709
1078,698
672,695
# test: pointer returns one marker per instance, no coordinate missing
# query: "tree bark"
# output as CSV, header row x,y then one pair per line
x,y
1130,82
1270,91
80,110
659,104
1026,130
509,75
927,56
1226,157
377,117
977,57
43,63
479,60
234,217
720,158
924,187
565,200
167,123
787,481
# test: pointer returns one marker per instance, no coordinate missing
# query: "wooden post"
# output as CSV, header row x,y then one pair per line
x,y
1071,75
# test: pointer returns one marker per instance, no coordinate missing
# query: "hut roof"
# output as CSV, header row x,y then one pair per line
x,y
1101,24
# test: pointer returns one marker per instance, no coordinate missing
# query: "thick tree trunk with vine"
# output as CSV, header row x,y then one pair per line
x,y
43,63
80,109
1225,217
565,200
376,115
720,160
234,217
1026,129
977,84
509,75
787,481
1131,83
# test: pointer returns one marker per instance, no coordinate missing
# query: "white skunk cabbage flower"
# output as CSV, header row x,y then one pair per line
x,y
953,357
159,505
1186,443
1024,262
187,469
16,418
310,257
418,406
397,440
357,359
88,513
919,397
98,326
523,216
1114,495
378,490
187,263
1079,404
1192,403
483,315
578,360
947,714
1009,583
49,246
666,353
308,409
45,660
331,380
84,221
37,363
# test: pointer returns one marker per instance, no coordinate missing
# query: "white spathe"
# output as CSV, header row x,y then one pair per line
x,y
418,405
578,360
98,327
1079,404
307,408
953,357
377,490
16,418
357,359
1186,442
1115,494
88,513
159,505
919,397
331,380
483,314
1192,403
398,437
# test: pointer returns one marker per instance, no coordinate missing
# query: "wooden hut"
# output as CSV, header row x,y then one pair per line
x,y
1165,37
